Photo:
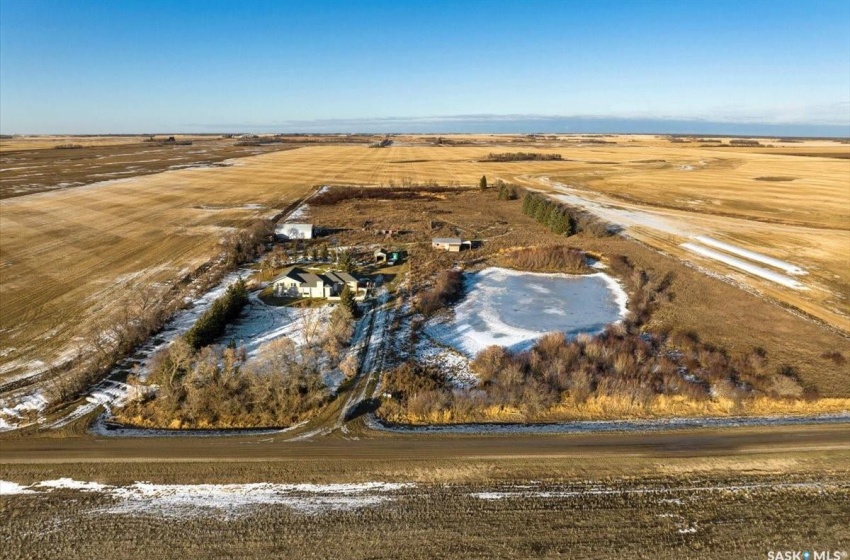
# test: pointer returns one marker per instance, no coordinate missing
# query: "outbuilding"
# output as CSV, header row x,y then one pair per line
x,y
389,256
450,244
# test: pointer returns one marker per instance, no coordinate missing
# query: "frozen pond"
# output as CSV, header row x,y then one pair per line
x,y
513,309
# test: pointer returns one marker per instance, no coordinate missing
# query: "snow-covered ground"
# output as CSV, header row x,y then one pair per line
x,y
299,214
747,267
195,500
259,324
447,360
28,404
751,255
513,309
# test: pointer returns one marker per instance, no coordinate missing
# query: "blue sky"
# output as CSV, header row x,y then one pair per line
x,y
184,65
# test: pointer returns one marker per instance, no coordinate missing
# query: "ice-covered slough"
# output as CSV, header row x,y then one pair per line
x,y
513,309
745,266
751,255
194,500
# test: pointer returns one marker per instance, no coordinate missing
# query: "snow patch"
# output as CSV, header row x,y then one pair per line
x,y
750,268
194,500
752,255
71,484
448,360
12,488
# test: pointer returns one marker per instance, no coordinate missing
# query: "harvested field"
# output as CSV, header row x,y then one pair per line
x,y
26,168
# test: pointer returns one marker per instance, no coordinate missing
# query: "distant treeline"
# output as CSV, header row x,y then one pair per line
x,y
563,219
522,156
69,146
256,142
339,194
224,310
747,143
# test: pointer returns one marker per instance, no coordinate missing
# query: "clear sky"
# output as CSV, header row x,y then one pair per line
x,y
121,66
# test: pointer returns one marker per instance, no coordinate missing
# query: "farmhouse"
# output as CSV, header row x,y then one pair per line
x,y
297,282
450,244
293,231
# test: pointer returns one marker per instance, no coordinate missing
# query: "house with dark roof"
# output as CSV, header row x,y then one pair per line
x,y
297,282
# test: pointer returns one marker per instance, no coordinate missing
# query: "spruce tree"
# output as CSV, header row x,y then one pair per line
x,y
346,299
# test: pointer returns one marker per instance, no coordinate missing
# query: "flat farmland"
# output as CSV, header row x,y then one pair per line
x,y
68,255
36,165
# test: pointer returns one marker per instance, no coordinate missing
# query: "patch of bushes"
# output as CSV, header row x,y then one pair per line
x,y
339,194
216,388
224,310
835,357
522,156
622,366
447,289
776,178
552,258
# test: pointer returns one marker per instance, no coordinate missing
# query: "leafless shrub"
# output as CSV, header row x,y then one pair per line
x,y
447,289
552,258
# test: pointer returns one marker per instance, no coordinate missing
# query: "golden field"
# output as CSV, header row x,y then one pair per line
x,y
66,255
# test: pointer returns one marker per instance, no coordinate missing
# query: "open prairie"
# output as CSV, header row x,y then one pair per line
x,y
68,255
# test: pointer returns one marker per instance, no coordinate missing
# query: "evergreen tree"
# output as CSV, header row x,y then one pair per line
x,y
346,299
482,184
345,262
